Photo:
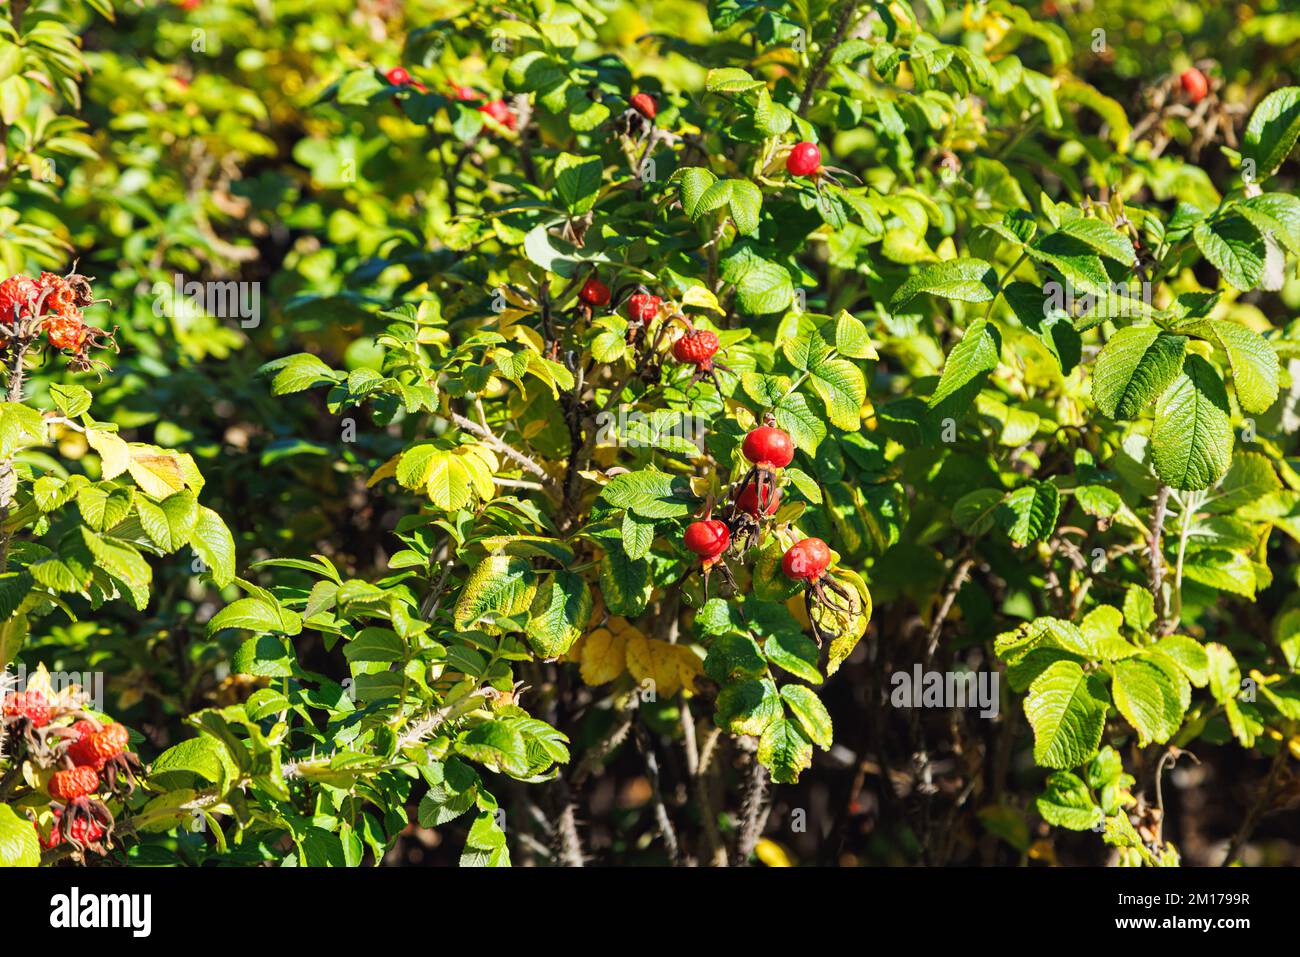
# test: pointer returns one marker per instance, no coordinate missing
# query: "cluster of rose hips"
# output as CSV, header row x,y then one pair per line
x,y
753,500
51,305
87,754
695,347
496,109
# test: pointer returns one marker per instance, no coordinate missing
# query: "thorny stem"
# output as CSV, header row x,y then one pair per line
x,y
819,70
1155,557
751,811
8,478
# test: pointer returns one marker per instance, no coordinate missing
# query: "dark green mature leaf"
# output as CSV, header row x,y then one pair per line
x,y
1191,442
966,280
970,359
1134,367
1273,129
1235,247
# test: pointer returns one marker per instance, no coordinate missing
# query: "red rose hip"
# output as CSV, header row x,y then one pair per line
x,y
748,501
707,538
804,160
697,347
31,705
498,110
73,784
645,104
398,76
1194,84
769,446
806,560
643,307
594,292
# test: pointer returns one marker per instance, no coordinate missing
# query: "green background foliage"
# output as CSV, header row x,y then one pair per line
x,y
452,618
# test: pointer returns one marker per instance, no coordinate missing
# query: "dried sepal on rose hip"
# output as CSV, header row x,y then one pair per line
x,y
83,833
807,561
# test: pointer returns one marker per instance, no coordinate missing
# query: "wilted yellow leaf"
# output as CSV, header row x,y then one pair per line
x,y
387,470
701,298
603,656
114,452
158,473
670,667
772,854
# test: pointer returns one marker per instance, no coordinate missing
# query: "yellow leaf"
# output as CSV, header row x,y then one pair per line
x,y
114,452
772,854
670,667
157,473
701,298
603,656
387,470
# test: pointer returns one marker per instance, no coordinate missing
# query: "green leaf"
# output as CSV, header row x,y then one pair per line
x,y
970,359
375,644
762,286
1254,362
651,494
124,562
624,582
500,586
578,181
1145,696
19,844
795,653
558,614
1224,674
965,280
1272,131
1103,238
1134,367
267,656
1029,513
213,543
785,751
1189,655
103,506
1067,710
730,80
1074,259
171,522
256,614
1191,441
1235,247
1065,802
298,372
975,512
811,714
748,706
70,400
695,182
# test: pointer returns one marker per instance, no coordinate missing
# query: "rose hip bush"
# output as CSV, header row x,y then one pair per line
x,y
660,403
